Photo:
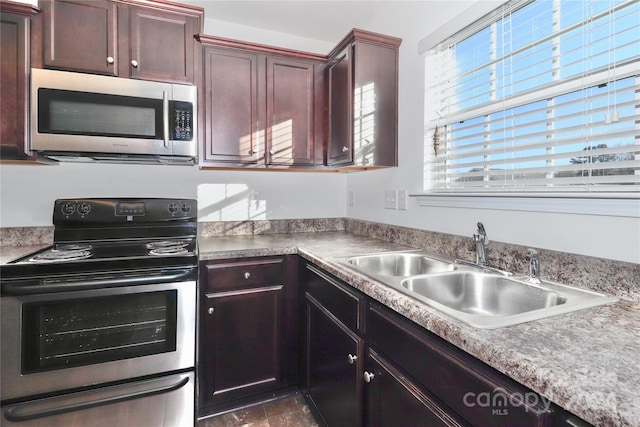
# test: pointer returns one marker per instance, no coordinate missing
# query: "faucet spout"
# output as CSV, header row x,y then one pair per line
x,y
481,245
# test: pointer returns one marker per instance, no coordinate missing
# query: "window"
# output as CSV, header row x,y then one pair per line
x,y
537,97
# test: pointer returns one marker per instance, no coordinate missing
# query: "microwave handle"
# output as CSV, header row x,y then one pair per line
x,y
165,117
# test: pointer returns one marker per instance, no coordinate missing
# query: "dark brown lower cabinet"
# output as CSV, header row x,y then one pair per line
x,y
394,400
248,331
466,387
334,356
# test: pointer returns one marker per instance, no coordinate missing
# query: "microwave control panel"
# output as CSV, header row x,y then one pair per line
x,y
182,120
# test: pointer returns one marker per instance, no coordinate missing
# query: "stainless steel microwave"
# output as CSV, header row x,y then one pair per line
x,y
85,118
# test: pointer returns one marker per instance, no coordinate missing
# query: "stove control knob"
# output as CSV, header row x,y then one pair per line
x,y
84,209
68,208
173,208
185,207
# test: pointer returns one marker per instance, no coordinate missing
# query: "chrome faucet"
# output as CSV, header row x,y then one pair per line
x,y
534,266
481,245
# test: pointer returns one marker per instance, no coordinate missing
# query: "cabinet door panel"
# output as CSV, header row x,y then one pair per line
x,y
340,111
393,401
162,43
243,342
375,103
80,35
14,86
334,384
452,375
290,91
233,110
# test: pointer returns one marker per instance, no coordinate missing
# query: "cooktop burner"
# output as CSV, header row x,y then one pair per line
x,y
55,255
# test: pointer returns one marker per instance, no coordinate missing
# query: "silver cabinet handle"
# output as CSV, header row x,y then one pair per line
x,y
210,311
110,60
351,359
368,377
134,63
272,152
344,149
247,275
250,152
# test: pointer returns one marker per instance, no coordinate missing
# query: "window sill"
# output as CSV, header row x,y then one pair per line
x,y
609,204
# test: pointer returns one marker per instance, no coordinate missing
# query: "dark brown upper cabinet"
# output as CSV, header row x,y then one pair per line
x,y
149,41
362,81
268,107
14,84
262,105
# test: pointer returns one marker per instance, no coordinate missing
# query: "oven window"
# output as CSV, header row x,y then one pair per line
x,y
68,333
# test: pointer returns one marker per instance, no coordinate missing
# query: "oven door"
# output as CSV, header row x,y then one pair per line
x,y
159,402
68,340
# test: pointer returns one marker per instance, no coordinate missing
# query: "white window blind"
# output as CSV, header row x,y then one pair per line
x,y
538,96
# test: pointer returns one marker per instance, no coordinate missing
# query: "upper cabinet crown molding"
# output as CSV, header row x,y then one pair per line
x,y
223,42
365,36
22,9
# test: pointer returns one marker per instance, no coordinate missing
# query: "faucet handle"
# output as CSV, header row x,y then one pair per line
x,y
531,253
481,229
482,234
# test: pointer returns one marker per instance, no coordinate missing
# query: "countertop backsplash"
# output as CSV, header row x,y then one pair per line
x,y
618,278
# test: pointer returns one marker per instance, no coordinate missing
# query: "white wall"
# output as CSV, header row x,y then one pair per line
x,y
609,237
28,192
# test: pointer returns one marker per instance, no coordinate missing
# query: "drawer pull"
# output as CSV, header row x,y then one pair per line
x,y
247,275
368,377
351,359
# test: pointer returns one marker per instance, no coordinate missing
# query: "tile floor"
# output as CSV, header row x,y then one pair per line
x,y
290,411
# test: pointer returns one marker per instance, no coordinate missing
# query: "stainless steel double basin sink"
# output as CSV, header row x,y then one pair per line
x,y
481,297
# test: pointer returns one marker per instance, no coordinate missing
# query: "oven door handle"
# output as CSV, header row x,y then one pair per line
x,y
14,288
91,399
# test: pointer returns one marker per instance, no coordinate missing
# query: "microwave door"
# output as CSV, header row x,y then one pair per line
x,y
101,123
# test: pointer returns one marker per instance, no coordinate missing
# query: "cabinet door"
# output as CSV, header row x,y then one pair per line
x,y
242,339
161,45
290,112
394,401
333,367
80,35
234,124
340,109
14,86
375,105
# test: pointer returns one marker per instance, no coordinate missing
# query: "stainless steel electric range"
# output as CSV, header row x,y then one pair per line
x,y
99,328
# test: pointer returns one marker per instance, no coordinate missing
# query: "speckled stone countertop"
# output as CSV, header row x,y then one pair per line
x,y
586,361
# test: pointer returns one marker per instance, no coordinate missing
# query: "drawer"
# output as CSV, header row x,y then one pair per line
x,y
345,303
244,273
476,391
